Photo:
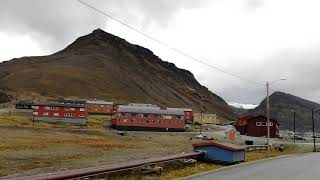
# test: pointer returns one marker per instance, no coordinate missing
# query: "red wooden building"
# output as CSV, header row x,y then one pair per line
x,y
59,112
187,114
257,126
99,107
148,118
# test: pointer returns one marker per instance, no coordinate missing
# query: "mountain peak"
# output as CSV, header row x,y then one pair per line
x,y
98,38
103,35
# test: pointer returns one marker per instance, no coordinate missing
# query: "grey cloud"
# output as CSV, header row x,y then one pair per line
x,y
299,66
57,23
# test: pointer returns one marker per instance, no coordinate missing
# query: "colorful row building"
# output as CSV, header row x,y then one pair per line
x,y
125,117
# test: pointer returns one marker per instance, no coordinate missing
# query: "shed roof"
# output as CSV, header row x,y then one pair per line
x,y
228,146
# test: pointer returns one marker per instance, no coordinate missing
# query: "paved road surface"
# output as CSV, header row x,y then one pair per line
x,y
300,167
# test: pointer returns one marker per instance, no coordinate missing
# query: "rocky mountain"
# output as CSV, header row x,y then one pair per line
x,y
281,106
101,65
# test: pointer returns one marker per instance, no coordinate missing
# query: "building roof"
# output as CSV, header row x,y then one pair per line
x,y
56,104
142,105
228,146
148,109
99,102
244,120
180,109
73,101
25,103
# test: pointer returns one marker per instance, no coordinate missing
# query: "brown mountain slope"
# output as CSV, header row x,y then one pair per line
x,y
100,65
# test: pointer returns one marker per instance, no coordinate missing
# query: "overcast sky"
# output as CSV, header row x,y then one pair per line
x,y
260,40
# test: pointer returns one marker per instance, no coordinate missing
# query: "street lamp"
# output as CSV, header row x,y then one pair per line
x,y
314,137
268,114
294,125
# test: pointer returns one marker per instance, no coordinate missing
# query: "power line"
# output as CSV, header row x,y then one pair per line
x,y
168,46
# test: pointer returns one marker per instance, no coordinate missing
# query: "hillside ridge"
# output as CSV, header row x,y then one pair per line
x,y
101,65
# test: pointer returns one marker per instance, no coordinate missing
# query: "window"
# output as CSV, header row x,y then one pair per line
x,y
69,109
144,115
82,109
178,117
81,115
35,113
122,114
55,114
35,107
134,114
167,117
51,108
258,123
263,124
271,124
157,116
68,115
45,113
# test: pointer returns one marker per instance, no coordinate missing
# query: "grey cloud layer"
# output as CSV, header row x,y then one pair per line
x,y
58,22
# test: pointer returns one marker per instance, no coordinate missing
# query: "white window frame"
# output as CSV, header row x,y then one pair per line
x,y
45,113
56,114
82,109
258,124
167,117
35,107
35,113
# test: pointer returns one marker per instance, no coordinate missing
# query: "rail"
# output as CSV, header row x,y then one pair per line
x,y
85,172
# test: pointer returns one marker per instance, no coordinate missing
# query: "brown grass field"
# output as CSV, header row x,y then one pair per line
x,y
27,149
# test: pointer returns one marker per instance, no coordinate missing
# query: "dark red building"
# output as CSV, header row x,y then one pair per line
x,y
99,107
59,112
187,114
141,117
257,126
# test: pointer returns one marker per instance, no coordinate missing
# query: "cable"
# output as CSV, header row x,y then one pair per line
x,y
168,46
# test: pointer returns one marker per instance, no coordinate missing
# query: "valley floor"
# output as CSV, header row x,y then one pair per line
x,y
27,148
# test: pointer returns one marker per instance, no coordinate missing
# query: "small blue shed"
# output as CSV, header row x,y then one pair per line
x,y
225,153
